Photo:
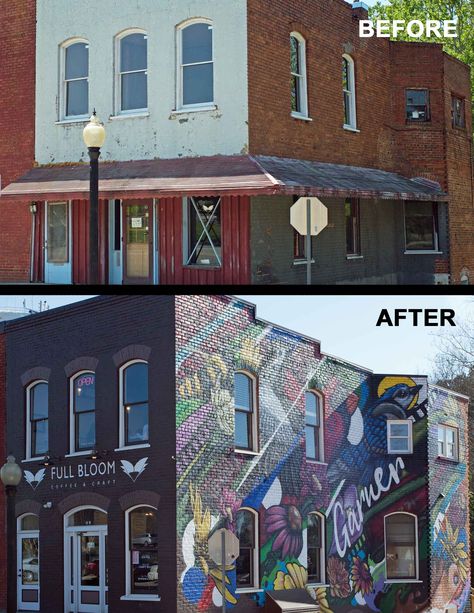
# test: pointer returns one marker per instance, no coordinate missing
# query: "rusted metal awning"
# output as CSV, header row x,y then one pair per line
x,y
219,175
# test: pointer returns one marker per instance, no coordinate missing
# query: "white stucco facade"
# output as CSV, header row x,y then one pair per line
x,y
161,133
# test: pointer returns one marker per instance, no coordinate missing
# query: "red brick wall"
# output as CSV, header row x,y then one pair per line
x,y
3,529
17,127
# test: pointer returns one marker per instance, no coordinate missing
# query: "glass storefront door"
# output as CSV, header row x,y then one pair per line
x,y
57,243
138,242
28,571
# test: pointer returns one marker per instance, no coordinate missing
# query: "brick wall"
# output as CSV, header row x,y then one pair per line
x,y
17,126
215,336
449,504
3,452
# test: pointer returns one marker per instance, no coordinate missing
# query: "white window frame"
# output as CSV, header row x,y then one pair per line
x,y
72,419
417,553
118,74
322,560
34,606
352,125
28,437
256,554
63,83
128,584
254,449
321,407
122,444
409,437
188,202
443,428
180,106
302,78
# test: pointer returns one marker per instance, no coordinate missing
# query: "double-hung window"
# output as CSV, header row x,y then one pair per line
x,y
75,94
299,86
132,78
417,105
316,557
458,114
352,214
349,92
203,232
37,415
82,436
421,226
399,436
314,427
247,562
245,411
196,65
142,551
448,445
401,546
134,426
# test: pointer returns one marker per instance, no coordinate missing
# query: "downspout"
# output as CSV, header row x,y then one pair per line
x,y
33,209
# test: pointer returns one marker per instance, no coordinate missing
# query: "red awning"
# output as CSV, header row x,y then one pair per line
x,y
219,175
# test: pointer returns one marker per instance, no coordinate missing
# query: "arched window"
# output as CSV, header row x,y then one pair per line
x,y
245,411
247,563
28,562
401,546
134,427
142,550
196,64
132,72
299,86
316,554
75,79
82,416
349,92
37,443
314,428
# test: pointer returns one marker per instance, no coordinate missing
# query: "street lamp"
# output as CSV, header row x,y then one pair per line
x,y
10,474
94,138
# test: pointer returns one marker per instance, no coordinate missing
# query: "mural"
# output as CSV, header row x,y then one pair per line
x,y
357,486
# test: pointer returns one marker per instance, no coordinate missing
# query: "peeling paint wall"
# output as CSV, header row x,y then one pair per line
x,y
162,134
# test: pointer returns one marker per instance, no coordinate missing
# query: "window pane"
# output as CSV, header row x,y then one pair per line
x,y
295,94
134,91
449,435
58,233
419,224
137,423
133,53
143,550
310,442
245,528
30,561
295,56
242,430
30,522
204,249
312,409
244,565
143,528
198,84
417,105
40,437
88,517
314,530
399,429
345,74
400,539
77,98
197,43
90,562
399,444
314,548
243,392
77,61
39,401
85,430
136,383
84,392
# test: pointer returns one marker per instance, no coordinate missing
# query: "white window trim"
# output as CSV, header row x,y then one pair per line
x,y
320,397
417,563
63,117
28,456
122,444
72,421
444,456
256,555
436,249
128,584
302,78
352,94
395,422
119,113
322,560
180,106
34,606
255,450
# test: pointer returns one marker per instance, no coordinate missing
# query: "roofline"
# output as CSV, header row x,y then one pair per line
x,y
450,392
342,361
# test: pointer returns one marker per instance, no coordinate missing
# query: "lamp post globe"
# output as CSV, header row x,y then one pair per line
x,y
94,138
10,473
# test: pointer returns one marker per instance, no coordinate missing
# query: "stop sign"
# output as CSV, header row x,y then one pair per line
x,y
299,216
232,547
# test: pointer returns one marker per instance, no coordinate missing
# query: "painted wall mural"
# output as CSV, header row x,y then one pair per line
x,y
353,490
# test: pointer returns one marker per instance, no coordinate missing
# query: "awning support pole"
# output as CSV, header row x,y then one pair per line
x,y
94,154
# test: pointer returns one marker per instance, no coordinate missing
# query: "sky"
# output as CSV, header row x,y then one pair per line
x,y
345,325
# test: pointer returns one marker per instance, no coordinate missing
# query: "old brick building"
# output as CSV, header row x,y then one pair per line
x,y
3,541
158,420
263,103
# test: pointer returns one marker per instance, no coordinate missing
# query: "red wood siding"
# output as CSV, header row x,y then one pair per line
x,y
235,221
37,274
80,241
